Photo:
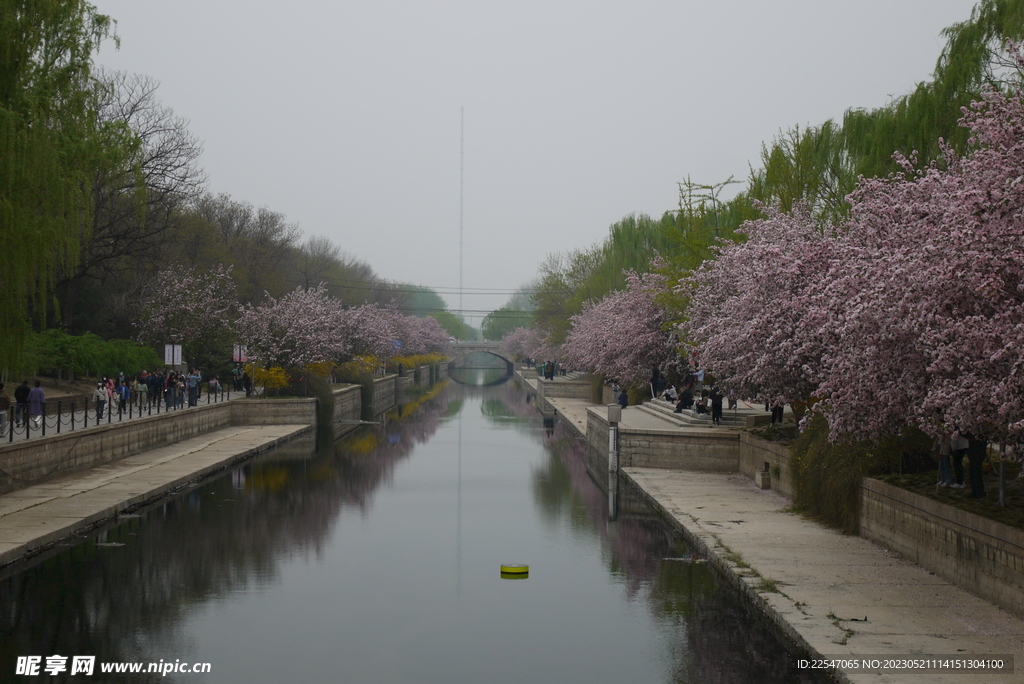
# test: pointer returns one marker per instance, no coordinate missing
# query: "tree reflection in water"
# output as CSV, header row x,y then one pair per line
x,y
236,533
725,640
123,592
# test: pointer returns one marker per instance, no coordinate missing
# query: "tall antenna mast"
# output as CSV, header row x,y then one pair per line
x,y
462,146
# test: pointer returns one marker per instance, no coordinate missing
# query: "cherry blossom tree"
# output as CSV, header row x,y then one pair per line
x,y
193,308
912,311
752,309
623,335
938,320
304,326
532,342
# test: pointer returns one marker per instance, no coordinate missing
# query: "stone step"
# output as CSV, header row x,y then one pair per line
x,y
690,418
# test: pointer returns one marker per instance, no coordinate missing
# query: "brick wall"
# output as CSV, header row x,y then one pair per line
x,y
977,554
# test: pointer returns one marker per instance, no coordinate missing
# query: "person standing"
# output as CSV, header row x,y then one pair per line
x,y
142,390
959,449
945,449
716,406
100,395
623,398
124,395
977,451
37,404
194,378
5,408
21,404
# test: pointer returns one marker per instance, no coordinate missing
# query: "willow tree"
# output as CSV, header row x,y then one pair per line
x,y
809,166
973,59
47,137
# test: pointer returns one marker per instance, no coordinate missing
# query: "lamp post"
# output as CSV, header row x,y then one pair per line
x,y
614,418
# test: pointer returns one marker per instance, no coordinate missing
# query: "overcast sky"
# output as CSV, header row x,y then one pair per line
x,y
345,116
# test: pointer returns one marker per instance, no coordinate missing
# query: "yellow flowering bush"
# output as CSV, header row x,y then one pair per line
x,y
271,378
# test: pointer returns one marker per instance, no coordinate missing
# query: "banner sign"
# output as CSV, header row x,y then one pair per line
x,y
172,354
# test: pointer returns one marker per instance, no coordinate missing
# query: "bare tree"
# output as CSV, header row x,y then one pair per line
x,y
151,173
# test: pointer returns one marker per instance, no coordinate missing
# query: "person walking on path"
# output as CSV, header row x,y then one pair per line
x,y
124,395
5,408
100,395
21,404
623,399
37,404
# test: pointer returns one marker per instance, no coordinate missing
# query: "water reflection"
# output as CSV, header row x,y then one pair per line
x,y
381,551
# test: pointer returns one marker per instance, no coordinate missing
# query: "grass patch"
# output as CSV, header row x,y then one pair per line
x,y
827,475
1012,514
783,434
768,586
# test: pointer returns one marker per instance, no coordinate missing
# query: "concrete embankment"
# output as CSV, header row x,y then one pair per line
x,y
33,518
833,595
58,486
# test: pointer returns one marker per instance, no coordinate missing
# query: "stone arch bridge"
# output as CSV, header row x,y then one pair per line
x,y
461,350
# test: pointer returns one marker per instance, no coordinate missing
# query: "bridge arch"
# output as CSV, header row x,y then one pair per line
x,y
461,350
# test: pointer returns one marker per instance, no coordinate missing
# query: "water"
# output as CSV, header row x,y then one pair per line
x,y
377,559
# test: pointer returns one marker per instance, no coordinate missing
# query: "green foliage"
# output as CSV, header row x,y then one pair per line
x,y
352,373
422,301
48,140
568,281
810,166
54,352
454,325
972,59
597,389
499,323
827,472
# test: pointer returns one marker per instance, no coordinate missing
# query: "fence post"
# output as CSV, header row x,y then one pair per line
x,y
43,421
59,408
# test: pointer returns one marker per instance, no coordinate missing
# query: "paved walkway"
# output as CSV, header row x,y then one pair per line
x,y
38,516
832,593
837,594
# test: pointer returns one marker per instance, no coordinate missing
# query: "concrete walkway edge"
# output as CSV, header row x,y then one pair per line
x,y
38,517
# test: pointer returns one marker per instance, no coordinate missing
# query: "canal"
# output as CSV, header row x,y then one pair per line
x,y
377,558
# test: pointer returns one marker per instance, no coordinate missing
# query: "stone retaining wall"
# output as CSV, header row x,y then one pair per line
x,y
698,450
980,555
754,452
563,389
30,462
384,393
35,460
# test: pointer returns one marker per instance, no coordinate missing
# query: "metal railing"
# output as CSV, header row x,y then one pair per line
x,y
76,414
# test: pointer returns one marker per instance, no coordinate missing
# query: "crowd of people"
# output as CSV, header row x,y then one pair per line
x,y
142,391
175,389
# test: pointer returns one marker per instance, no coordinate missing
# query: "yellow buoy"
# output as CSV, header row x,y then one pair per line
x,y
515,575
515,569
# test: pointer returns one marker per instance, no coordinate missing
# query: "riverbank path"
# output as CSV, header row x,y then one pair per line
x,y
39,516
836,595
